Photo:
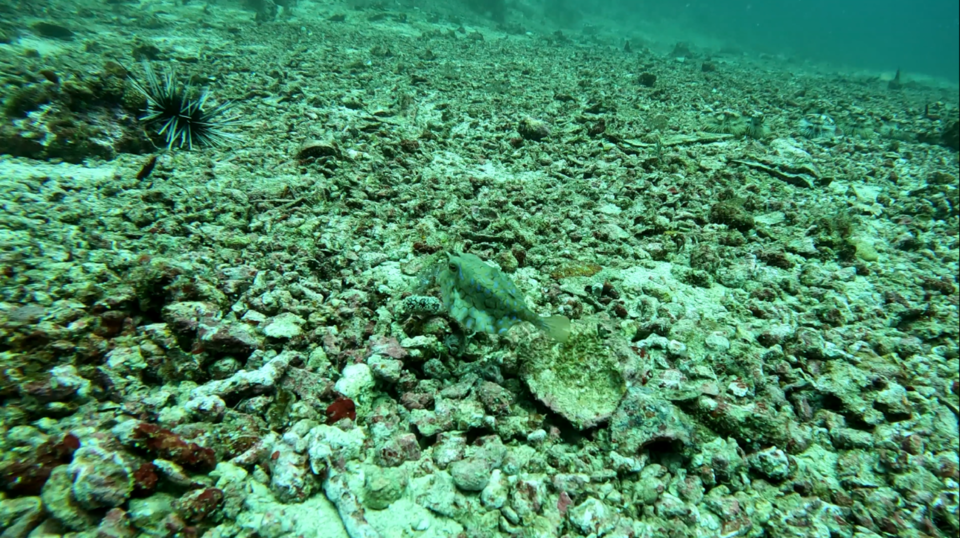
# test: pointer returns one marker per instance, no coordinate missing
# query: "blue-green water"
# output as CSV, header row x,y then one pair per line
x,y
479,269
879,35
917,36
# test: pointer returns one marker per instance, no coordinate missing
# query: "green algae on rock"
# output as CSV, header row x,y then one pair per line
x,y
581,380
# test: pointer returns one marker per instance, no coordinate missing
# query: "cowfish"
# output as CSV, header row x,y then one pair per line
x,y
482,299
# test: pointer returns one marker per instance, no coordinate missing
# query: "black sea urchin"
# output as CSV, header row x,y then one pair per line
x,y
185,118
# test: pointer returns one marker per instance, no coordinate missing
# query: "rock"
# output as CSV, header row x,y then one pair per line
x,y
230,337
438,493
48,528
775,333
850,438
203,320
771,463
893,401
850,385
909,346
19,516
397,449
318,361
175,474
100,478
384,369
691,489
422,347
527,496
355,380
722,458
208,408
716,341
148,515
382,486
125,360
64,383
494,495
351,518
496,399
59,502
284,326
247,383
507,261
186,317
290,480
471,474
449,448
593,517
732,215
388,346
331,443
671,507
573,484
645,417
490,448
580,380
164,444
436,369
115,524
651,484
199,504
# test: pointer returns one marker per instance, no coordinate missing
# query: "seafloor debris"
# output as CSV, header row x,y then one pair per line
x,y
764,316
580,380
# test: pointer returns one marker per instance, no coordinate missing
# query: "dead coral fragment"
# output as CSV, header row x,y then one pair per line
x,y
197,505
731,214
27,475
576,269
167,445
580,380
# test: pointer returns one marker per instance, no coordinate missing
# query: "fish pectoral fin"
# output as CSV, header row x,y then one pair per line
x,y
556,327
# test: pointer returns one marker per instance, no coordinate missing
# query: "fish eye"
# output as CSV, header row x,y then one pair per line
x,y
453,267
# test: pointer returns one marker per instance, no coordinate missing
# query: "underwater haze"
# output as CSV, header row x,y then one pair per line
x,y
880,35
479,269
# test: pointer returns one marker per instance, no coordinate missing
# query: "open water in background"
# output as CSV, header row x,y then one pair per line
x,y
919,36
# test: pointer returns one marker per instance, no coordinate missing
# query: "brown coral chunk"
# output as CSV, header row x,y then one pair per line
x,y
145,479
168,445
197,505
27,476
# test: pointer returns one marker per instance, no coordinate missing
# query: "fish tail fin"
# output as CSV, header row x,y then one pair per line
x,y
556,327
